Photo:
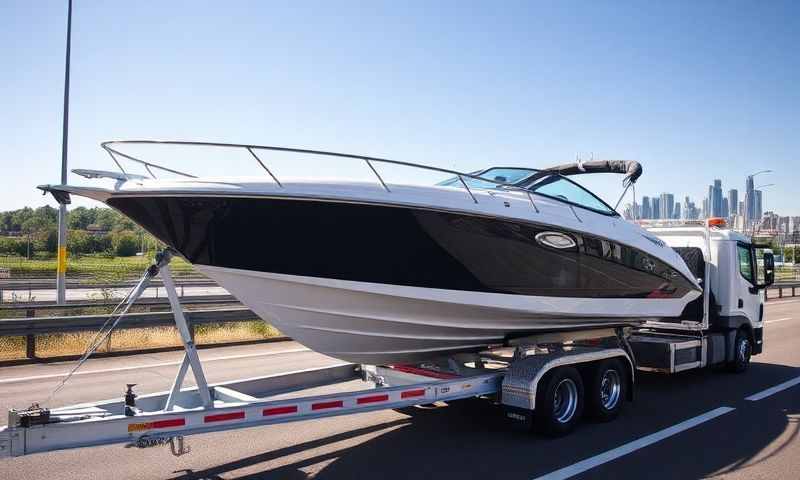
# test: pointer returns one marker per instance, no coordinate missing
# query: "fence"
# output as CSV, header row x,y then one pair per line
x,y
781,288
29,285
30,326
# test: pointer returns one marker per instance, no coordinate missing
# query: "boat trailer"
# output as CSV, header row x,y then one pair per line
x,y
508,375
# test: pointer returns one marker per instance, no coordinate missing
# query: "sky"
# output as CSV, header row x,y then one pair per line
x,y
692,90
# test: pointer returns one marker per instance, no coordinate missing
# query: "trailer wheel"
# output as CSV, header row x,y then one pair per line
x,y
606,389
742,350
559,402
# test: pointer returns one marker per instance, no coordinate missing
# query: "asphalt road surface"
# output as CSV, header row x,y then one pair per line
x,y
691,425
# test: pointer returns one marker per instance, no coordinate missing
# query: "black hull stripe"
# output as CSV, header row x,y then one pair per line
x,y
398,245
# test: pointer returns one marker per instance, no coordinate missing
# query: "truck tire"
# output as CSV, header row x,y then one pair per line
x,y
559,401
742,350
606,389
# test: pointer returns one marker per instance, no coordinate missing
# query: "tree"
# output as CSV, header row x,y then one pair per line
x,y
46,240
79,242
81,217
14,246
105,218
19,217
125,243
5,221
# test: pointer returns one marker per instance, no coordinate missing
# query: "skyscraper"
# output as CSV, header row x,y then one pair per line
x,y
733,202
677,213
716,199
709,211
667,205
758,207
647,209
749,200
656,208
689,209
725,208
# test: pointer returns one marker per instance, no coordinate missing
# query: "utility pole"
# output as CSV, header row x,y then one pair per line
x,y
61,268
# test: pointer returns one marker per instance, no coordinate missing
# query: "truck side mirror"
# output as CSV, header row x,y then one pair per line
x,y
769,270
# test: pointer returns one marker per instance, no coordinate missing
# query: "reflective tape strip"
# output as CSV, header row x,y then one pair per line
x,y
138,427
279,410
61,266
413,393
222,417
324,405
373,399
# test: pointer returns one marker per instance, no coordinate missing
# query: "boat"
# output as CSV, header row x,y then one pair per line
x,y
388,273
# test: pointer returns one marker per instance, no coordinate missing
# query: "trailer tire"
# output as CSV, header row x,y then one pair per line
x,y
559,402
606,389
742,351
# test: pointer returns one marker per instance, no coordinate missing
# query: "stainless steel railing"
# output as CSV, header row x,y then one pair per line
x,y
113,149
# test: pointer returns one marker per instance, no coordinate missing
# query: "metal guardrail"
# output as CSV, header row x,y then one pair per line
x,y
48,284
62,324
781,287
29,327
30,308
13,287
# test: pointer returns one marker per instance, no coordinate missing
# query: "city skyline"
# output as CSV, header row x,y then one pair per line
x,y
714,204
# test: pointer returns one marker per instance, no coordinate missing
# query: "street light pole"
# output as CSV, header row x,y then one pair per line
x,y
747,210
745,196
61,267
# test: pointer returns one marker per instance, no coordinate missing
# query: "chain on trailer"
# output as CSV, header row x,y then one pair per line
x,y
177,443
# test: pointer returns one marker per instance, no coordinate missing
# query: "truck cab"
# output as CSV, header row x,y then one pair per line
x,y
725,324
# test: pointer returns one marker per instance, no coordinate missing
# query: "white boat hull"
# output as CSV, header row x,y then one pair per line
x,y
374,323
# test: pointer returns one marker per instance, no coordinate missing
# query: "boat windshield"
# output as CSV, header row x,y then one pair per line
x,y
564,189
551,185
508,176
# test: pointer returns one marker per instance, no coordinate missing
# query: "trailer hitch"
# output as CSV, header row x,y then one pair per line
x,y
177,444
33,415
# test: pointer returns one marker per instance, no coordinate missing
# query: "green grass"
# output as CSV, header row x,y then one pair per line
x,y
102,267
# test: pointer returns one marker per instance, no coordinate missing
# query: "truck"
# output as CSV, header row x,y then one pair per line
x,y
546,382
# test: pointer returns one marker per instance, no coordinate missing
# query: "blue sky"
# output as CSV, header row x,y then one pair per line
x,y
693,90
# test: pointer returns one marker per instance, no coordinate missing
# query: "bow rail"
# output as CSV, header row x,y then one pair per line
x,y
113,149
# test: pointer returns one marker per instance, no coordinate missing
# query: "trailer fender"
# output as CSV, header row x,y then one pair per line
x,y
523,377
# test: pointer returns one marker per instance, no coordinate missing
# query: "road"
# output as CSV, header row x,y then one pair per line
x,y
691,425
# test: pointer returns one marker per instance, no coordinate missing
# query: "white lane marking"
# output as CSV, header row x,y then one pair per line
x,y
778,320
620,451
773,390
150,365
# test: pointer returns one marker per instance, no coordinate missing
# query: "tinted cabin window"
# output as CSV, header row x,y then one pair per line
x,y
745,262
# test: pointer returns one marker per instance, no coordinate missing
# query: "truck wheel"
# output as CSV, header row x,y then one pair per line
x,y
606,390
742,350
559,402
